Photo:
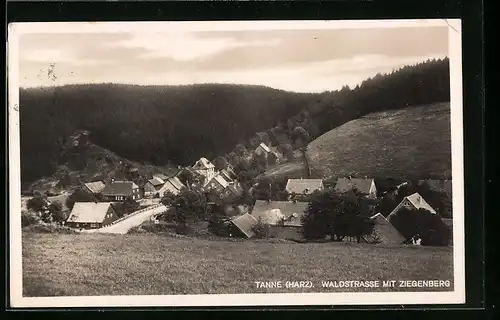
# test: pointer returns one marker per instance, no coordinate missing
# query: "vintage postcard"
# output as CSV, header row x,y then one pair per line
x,y
242,163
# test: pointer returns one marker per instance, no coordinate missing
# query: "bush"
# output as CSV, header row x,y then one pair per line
x,y
262,230
183,229
218,226
424,224
29,218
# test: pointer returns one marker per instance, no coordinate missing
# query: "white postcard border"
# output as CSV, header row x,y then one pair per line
x,y
272,299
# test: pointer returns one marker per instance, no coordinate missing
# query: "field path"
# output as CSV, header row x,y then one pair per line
x,y
133,220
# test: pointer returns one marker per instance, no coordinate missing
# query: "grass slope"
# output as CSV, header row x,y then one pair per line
x,y
146,264
410,143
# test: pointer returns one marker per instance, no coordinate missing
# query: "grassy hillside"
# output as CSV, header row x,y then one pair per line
x,y
88,162
146,264
403,144
411,143
148,124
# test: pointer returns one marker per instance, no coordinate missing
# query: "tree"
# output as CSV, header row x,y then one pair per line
x,y
37,203
187,178
337,216
56,212
287,151
168,198
189,206
262,230
80,196
300,137
240,150
220,163
423,224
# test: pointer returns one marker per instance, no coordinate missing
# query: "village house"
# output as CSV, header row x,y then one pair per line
x,y
271,156
204,168
160,176
91,215
284,217
383,232
412,202
302,187
242,225
94,187
365,186
228,174
120,190
172,185
153,186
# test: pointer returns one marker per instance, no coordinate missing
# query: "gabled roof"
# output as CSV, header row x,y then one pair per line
x,y
226,175
156,182
119,188
419,202
274,212
176,183
160,176
244,223
93,212
265,147
384,231
346,184
219,180
95,186
203,163
299,186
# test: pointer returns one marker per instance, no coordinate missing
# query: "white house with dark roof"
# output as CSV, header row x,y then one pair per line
x,y
91,215
364,186
120,190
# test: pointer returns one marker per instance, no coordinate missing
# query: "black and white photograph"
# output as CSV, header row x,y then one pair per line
x,y
236,163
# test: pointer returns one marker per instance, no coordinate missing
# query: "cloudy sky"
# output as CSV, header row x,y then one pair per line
x,y
295,60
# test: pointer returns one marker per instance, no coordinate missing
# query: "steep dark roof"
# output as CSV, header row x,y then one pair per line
x,y
346,184
244,223
119,188
384,231
156,182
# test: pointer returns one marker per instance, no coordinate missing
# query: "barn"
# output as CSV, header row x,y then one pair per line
x,y
91,215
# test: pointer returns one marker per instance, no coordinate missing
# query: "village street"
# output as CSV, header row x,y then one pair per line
x,y
133,220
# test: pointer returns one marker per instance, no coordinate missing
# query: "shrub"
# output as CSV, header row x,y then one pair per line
x,y
29,218
183,229
262,230
217,225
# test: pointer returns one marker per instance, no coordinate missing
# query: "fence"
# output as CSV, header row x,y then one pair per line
x,y
135,213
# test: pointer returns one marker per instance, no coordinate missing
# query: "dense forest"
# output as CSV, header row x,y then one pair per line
x,y
178,124
414,85
158,125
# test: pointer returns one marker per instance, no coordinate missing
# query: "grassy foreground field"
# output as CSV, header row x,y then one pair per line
x,y
146,264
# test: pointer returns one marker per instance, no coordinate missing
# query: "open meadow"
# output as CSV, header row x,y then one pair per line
x,y
149,264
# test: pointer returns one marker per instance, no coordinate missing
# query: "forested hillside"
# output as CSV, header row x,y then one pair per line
x,y
149,124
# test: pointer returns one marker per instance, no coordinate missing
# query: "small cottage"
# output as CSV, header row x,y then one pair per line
x,y
91,215
303,187
120,190
263,150
153,186
365,186
172,185
412,202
